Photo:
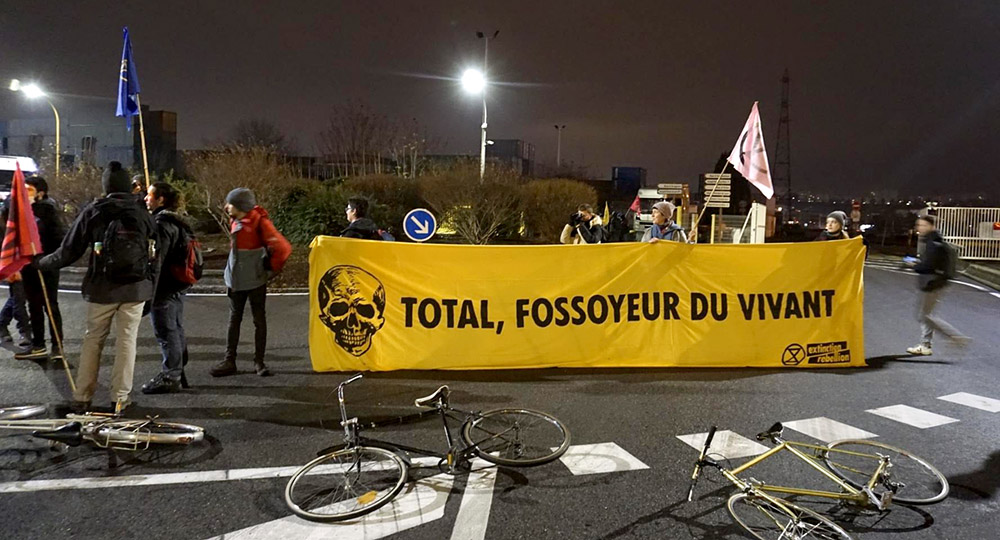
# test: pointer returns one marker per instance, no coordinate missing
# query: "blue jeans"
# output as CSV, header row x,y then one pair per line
x,y
15,309
167,317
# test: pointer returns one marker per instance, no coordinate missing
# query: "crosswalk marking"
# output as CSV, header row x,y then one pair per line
x,y
420,502
974,401
599,458
726,443
827,430
912,416
477,499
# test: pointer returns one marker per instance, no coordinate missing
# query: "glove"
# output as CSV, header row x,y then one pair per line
x,y
574,219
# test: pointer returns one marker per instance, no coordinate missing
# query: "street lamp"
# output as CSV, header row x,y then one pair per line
x,y
32,91
474,82
560,129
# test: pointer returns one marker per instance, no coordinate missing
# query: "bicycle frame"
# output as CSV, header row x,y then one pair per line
x,y
850,493
89,424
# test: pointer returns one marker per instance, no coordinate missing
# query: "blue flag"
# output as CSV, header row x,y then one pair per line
x,y
128,84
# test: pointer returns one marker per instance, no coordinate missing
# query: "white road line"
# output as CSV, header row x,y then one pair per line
x,y
420,502
600,458
912,416
726,443
164,479
474,512
997,294
827,430
974,401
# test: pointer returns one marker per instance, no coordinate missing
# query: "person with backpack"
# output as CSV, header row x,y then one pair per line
x,y
121,271
178,253
935,267
359,225
42,288
664,227
258,253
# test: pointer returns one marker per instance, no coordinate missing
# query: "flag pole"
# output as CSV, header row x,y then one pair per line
x,y
142,138
705,206
55,331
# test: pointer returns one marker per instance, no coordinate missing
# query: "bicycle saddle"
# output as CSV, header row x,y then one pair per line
x,y
70,434
431,401
771,433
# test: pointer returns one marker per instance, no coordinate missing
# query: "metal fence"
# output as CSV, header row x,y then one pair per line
x,y
976,231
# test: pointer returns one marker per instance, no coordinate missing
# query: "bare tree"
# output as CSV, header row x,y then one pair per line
x,y
477,211
260,133
359,141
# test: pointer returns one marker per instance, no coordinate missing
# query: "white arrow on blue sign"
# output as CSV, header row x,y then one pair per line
x,y
419,225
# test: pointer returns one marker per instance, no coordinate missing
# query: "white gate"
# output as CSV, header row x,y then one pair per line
x,y
975,230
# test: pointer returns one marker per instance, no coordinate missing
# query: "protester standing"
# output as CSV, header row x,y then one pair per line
x,y
664,227
258,252
359,225
836,223
167,310
42,286
933,278
584,227
15,308
120,275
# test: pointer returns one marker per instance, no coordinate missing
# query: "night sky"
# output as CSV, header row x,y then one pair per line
x,y
887,95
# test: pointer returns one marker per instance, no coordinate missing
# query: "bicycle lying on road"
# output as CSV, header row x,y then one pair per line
x,y
870,474
105,430
362,474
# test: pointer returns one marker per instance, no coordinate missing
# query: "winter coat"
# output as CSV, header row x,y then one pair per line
x,y
363,228
51,229
588,232
171,240
258,251
89,228
824,236
672,232
933,263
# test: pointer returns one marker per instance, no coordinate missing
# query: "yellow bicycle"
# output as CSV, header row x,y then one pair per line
x,y
868,473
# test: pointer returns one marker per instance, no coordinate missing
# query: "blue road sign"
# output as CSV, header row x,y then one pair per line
x,y
419,224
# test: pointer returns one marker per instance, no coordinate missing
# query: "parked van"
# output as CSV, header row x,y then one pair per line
x,y
8,164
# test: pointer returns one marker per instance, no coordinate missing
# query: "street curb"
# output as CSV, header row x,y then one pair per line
x,y
983,274
71,278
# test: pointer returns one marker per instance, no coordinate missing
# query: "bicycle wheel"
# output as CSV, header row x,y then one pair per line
x,y
516,437
914,479
769,521
22,411
345,484
142,433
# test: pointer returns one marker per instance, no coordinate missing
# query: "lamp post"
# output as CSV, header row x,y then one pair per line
x,y
559,128
32,91
475,83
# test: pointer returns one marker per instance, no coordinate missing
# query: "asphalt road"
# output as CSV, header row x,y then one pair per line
x,y
632,486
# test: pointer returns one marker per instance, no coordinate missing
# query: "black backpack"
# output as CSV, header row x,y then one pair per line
x,y
949,269
124,256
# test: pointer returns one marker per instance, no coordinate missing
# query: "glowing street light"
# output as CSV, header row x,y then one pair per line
x,y
33,91
473,81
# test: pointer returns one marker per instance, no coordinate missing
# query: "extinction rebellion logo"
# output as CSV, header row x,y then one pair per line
x,y
352,306
831,352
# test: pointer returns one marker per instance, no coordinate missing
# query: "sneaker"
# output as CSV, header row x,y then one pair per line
x,y
961,341
24,342
261,369
920,350
223,368
34,353
160,384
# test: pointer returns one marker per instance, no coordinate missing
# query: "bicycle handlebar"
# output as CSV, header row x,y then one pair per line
x,y
701,462
340,396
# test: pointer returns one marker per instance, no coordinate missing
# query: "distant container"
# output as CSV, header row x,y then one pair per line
x,y
627,180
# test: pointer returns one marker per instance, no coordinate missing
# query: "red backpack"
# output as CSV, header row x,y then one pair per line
x,y
189,269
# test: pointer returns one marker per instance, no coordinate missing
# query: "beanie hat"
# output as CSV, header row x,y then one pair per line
x,y
242,199
839,216
665,208
115,179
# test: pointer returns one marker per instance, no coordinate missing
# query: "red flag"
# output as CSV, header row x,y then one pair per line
x,y
21,242
749,157
635,205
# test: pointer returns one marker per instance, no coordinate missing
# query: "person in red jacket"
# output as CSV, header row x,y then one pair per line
x,y
258,252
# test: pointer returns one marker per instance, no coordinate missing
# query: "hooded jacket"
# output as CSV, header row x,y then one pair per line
x,y
89,228
171,239
363,228
258,251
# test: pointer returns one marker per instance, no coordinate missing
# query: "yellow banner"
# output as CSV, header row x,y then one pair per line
x,y
393,305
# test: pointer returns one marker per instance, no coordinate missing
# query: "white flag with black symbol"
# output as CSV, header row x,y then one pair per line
x,y
749,157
